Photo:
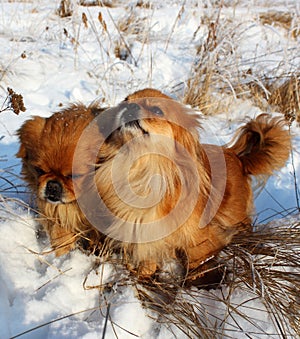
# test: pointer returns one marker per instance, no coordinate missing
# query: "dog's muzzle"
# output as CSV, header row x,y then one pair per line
x,y
125,115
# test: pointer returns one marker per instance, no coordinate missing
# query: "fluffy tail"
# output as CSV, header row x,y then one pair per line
x,y
263,145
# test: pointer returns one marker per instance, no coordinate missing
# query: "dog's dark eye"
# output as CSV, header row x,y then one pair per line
x,y
156,110
39,171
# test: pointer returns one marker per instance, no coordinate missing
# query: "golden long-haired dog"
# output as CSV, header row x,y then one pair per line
x,y
169,196
47,147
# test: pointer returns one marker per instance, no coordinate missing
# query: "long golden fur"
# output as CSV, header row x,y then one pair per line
x,y
170,195
47,147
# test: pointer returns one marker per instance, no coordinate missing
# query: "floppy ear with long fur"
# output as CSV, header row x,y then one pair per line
x,y
29,134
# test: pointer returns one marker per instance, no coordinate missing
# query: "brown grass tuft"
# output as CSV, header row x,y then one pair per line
x,y
198,89
283,19
267,262
144,4
286,97
132,24
287,20
102,3
207,88
65,8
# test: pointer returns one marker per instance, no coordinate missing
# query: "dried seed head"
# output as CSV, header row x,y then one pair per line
x,y
102,22
15,101
85,20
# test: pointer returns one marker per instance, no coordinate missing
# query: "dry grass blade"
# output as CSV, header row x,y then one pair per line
x,y
53,321
179,15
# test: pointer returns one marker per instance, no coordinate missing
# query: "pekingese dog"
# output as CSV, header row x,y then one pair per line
x,y
170,196
47,147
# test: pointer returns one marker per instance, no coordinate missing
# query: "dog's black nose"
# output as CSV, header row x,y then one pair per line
x,y
129,112
53,191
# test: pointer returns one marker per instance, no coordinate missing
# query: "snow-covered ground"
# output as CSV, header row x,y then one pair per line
x,y
53,61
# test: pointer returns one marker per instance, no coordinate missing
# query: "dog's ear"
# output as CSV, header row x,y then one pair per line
x,y
29,134
146,93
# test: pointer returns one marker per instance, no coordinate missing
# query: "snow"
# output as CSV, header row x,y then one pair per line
x,y
53,61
